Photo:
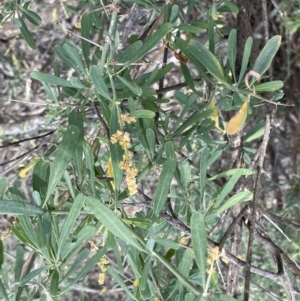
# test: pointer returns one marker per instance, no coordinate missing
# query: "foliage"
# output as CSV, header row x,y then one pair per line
x,y
82,186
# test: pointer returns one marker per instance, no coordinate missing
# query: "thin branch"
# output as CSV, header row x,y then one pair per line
x,y
254,205
179,225
101,119
26,139
232,226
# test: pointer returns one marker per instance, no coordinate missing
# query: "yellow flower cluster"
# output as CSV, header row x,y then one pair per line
x,y
5,234
103,262
123,138
214,256
130,172
127,119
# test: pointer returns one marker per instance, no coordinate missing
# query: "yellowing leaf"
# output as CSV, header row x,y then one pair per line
x,y
237,121
215,114
23,172
110,172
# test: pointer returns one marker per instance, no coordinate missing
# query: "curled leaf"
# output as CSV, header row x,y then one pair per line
x,y
251,73
23,172
180,57
237,121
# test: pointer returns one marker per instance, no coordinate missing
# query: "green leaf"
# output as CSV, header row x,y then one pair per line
x,y
31,16
130,52
227,188
210,62
151,42
269,87
50,79
246,56
170,150
1,253
98,82
22,236
195,118
232,7
144,223
80,240
231,172
90,165
142,114
266,56
164,184
33,274
86,26
63,157
19,208
187,76
109,219
3,291
26,33
119,280
199,240
74,55
134,88
65,57
255,132
167,243
240,197
40,177
80,258
69,223
189,28
3,185
54,283
156,75
232,50
143,282
87,266
222,297
150,135
42,245
19,262
27,227
202,174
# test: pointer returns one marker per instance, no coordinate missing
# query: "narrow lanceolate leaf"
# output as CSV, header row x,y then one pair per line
x,y
199,240
210,62
19,208
232,50
266,56
31,16
237,121
111,221
142,114
50,79
69,223
227,188
246,56
164,184
270,86
26,33
240,197
63,157
98,81
134,88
